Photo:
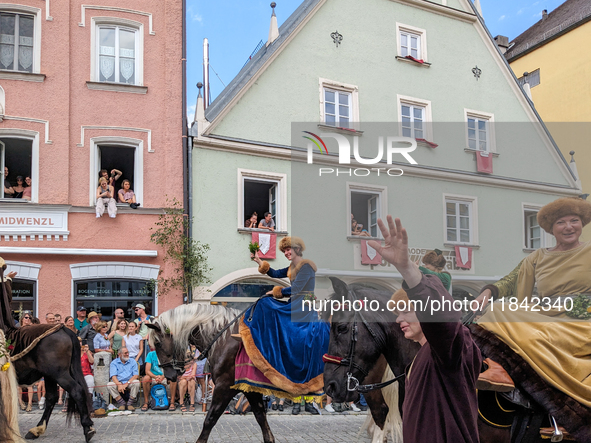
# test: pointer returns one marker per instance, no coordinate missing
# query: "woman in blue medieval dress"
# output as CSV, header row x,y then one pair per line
x,y
283,337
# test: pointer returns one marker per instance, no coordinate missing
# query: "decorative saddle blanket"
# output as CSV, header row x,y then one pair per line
x,y
570,414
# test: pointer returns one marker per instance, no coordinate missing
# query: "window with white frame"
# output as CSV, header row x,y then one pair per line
x,y
120,153
16,155
261,193
478,130
366,204
534,235
117,54
17,41
337,107
412,42
412,117
459,221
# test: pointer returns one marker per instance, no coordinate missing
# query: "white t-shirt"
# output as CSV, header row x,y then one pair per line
x,y
132,343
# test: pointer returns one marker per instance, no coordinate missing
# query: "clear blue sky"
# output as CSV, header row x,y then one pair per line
x,y
235,27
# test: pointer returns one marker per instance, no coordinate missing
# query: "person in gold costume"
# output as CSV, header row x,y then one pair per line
x,y
550,340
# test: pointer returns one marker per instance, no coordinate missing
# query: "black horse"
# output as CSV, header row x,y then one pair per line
x,y
56,358
197,324
376,333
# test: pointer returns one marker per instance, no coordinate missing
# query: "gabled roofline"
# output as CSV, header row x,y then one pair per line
x,y
528,100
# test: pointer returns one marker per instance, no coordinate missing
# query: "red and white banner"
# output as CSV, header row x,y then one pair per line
x,y
463,257
267,244
369,256
484,162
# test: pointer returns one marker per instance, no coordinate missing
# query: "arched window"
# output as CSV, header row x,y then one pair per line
x,y
241,292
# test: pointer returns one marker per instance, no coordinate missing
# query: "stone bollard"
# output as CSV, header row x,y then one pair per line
x,y
102,362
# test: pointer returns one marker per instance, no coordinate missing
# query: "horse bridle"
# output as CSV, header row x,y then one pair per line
x,y
177,365
378,337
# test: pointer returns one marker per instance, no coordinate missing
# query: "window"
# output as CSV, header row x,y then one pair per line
x,y
337,108
412,42
117,55
121,153
533,235
339,104
23,297
17,37
461,225
248,290
415,117
262,192
16,155
366,204
480,131
104,296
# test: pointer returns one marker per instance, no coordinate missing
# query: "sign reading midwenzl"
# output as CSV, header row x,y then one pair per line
x,y
17,223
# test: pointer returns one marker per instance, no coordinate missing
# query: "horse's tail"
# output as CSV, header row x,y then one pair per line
x,y
9,431
393,424
77,375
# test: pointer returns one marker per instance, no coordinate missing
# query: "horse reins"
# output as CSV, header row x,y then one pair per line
x,y
352,382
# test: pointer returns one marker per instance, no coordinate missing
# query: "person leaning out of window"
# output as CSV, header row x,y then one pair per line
x,y
105,196
126,195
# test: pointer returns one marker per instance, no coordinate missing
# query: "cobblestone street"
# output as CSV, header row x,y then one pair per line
x,y
165,427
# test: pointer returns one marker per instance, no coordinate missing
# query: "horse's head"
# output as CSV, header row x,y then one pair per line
x,y
170,358
356,342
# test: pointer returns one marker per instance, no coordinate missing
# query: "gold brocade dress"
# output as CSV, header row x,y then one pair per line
x,y
556,346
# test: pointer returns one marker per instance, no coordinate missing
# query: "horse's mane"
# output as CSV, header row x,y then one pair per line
x,y
184,319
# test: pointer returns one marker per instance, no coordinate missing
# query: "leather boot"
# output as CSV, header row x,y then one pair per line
x,y
495,378
296,409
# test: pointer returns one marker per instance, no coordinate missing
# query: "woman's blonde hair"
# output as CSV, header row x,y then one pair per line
x,y
102,179
100,325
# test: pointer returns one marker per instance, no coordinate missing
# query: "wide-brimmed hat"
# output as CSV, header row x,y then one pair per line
x,y
291,242
562,207
92,314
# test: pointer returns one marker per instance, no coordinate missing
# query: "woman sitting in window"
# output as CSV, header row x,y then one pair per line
x,y
19,188
126,195
104,196
27,191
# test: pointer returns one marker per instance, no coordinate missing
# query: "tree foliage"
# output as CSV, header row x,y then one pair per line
x,y
187,257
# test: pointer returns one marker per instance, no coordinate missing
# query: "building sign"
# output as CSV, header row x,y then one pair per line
x,y
416,254
33,223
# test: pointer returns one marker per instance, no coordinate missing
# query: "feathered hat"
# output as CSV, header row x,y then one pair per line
x,y
291,242
548,215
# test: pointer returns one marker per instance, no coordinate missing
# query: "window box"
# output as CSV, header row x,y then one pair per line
x,y
408,60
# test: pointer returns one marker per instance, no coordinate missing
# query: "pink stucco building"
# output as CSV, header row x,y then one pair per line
x,y
87,86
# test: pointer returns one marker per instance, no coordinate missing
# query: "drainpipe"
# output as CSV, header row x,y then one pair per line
x,y
186,145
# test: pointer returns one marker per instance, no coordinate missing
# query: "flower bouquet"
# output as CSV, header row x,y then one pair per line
x,y
254,248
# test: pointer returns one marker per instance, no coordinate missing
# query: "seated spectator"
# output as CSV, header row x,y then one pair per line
x,y
8,190
101,339
104,196
267,222
200,369
87,360
154,375
27,191
29,406
19,188
357,229
115,175
88,332
281,402
124,378
126,195
69,323
252,221
187,383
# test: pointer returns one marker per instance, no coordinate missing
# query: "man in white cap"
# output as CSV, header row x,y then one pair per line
x,y
142,319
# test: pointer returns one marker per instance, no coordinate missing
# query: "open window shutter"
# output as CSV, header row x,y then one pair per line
x,y
273,205
372,215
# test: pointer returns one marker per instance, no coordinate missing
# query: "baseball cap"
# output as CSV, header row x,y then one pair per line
x,y
139,305
81,308
92,314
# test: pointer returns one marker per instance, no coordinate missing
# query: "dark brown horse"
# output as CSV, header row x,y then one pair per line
x,y
56,358
197,324
387,340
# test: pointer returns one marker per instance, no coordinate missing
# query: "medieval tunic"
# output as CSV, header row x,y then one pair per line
x,y
440,404
556,346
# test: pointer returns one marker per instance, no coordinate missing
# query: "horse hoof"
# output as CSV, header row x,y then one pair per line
x,y
90,434
31,436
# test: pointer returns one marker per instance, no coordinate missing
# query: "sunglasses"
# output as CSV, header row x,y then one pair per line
x,y
27,318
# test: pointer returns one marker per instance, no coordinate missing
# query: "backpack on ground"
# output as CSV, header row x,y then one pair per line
x,y
158,398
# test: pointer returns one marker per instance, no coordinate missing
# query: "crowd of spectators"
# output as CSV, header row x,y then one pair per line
x,y
107,196
22,188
